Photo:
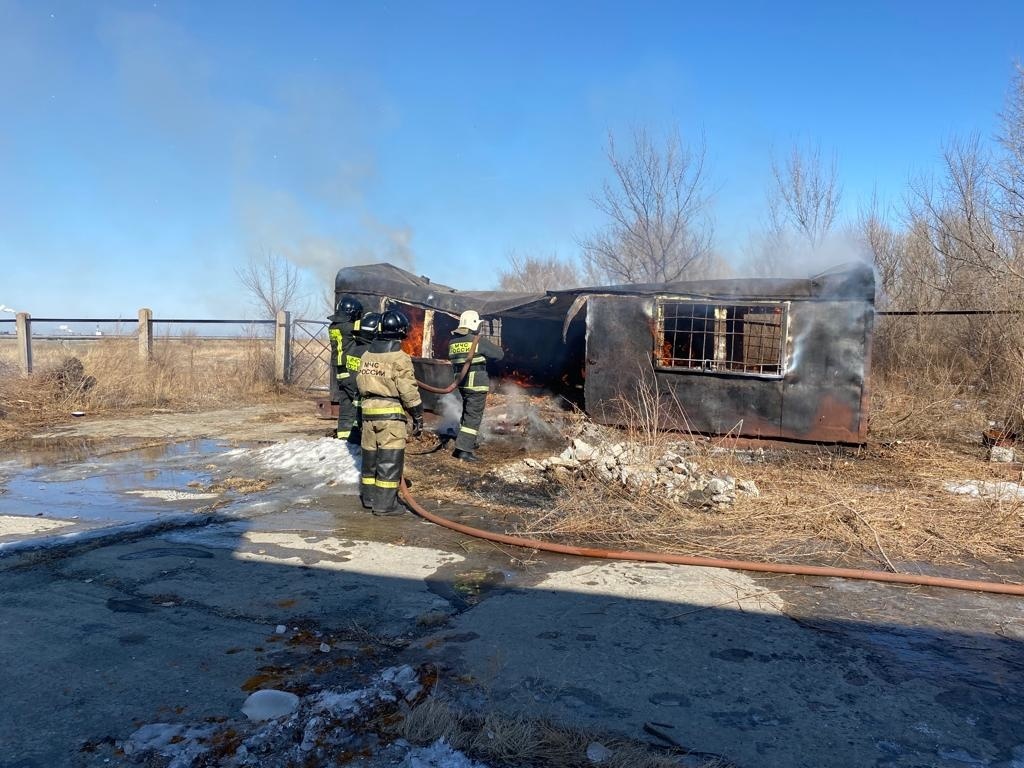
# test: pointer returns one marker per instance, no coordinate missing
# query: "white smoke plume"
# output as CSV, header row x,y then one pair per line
x,y
300,158
449,409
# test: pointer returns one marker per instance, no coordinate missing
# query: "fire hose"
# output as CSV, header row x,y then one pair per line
x,y
705,562
462,374
711,562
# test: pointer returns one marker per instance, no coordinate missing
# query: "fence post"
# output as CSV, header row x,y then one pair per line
x,y
283,347
146,335
23,325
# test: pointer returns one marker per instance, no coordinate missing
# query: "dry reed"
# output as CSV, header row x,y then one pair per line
x,y
186,373
883,506
502,739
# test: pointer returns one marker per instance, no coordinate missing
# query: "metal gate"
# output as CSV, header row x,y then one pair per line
x,y
311,355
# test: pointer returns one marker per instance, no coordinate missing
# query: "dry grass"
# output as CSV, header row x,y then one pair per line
x,y
185,374
500,739
977,358
883,506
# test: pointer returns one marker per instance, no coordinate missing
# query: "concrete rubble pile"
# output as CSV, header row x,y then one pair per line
x,y
674,472
281,729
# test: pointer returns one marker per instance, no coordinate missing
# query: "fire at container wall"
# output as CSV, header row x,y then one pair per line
x,y
535,354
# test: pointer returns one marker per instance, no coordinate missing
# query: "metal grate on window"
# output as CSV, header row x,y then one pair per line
x,y
490,328
721,338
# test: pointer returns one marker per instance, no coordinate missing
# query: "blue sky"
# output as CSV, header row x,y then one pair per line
x,y
147,148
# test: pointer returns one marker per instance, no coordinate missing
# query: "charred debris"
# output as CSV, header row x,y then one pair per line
x,y
757,357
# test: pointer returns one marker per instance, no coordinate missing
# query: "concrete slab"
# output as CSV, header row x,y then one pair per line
x,y
83,661
712,655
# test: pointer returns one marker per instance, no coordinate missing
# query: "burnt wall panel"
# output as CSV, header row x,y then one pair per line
x,y
619,342
818,399
827,369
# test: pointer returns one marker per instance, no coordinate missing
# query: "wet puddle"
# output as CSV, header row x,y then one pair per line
x,y
89,483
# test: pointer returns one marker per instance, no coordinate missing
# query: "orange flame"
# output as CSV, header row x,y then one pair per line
x,y
413,343
519,379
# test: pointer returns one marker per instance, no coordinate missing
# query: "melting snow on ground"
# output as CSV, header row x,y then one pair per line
x,y
438,755
11,525
282,729
170,495
330,461
986,489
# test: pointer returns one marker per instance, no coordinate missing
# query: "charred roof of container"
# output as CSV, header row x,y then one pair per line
x,y
854,281
845,282
394,283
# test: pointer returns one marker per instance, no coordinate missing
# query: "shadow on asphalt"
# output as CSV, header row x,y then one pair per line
x,y
181,626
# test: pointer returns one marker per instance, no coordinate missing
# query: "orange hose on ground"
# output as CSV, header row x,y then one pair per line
x,y
710,562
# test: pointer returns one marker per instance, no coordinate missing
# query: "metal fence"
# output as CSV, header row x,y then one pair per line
x,y
27,329
311,355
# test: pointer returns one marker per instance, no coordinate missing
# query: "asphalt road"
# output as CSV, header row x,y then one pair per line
x,y
181,625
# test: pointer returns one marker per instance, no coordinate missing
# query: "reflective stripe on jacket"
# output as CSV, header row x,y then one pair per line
x,y
342,338
476,379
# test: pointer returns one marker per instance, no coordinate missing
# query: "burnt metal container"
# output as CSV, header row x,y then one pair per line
x,y
436,373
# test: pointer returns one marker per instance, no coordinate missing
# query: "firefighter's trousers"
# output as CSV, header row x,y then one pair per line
x,y
348,408
473,402
383,445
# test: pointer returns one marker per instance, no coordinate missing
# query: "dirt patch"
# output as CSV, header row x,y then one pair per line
x,y
240,485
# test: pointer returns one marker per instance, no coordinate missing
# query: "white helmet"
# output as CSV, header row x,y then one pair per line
x,y
469,320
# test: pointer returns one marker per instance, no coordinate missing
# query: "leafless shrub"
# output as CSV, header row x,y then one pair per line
x,y
658,229
961,248
537,274
272,282
185,373
805,193
652,416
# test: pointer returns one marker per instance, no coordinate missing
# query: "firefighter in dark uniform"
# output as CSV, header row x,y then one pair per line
x,y
369,324
474,387
387,387
341,331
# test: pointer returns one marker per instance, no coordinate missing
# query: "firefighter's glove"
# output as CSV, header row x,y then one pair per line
x,y
417,420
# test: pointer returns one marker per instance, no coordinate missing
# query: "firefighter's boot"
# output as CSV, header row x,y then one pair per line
x,y
390,463
368,493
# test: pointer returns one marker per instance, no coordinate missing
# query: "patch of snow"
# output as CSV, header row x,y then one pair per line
x,y
438,755
167,494
987,489
16,525
184,744
284,730
332,462
58,540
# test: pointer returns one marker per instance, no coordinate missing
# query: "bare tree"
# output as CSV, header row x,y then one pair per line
x,y
767,253
805,194
656,204
536,274
886,247
1010,174
963,217
272,282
